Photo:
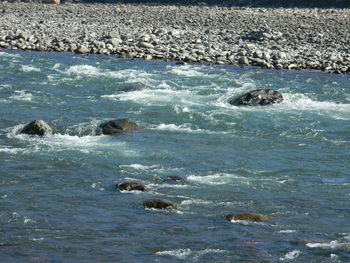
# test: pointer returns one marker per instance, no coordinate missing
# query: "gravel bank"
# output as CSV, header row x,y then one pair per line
x,y
269,38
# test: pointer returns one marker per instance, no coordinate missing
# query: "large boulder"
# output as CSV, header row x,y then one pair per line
x,y
118,126
131,186
158,204
248,217
257,97
37,127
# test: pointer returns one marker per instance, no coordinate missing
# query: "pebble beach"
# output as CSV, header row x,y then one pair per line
x,y
269,38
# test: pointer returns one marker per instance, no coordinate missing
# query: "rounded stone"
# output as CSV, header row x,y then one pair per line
x,y
37,127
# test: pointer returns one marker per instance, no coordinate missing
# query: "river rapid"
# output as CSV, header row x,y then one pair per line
x,y
290,161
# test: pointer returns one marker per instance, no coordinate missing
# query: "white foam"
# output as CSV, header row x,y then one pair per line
x,y
56,66
85,144
186,252
159,97
287,231
11,150
26,68
185,128
195,201
84,70
190,71
129,75
28,220
40,239
140,166
247,222
301,102
213,179
178,253
22,95
97,186
5,54
331,245
290,255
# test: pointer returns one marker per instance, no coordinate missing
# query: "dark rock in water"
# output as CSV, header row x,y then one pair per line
x,y
131,186
257,97
37,127
118,126
130,89
248,217
158,204
173,178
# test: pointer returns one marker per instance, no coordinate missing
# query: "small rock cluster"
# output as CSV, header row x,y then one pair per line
x,y
252,98
269,38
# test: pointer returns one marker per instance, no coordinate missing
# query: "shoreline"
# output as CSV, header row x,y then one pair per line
x,y
275,38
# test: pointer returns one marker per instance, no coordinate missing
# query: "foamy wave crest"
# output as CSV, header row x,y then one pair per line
x,y
11,150
331,245
158,97
186,252
26,68
184,128
22,95
214,179
140,166
301,102
63,142
5,54
129,75
190,71
290,255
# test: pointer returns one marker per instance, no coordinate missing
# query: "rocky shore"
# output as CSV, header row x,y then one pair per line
x,y
269,38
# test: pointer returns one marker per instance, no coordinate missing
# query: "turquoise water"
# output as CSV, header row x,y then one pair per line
x,y
290,161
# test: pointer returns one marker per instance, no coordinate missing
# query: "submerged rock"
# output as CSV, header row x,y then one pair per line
x,y
37,127
248,217
158,204
257,97
131,186
173,178
118,126
130,89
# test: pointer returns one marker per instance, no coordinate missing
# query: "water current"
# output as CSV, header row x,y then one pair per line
x,y
290,161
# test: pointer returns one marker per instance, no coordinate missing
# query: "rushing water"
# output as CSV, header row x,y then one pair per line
x,y
290,161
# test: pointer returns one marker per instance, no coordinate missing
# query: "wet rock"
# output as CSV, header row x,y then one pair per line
x,y
158,204
173,178
37,127
257,97
118,126
248,217
130,89
131,186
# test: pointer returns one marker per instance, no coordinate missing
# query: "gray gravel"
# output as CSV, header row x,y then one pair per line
x,y
269,38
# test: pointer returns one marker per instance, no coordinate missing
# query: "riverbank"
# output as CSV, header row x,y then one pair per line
x,y
269,38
